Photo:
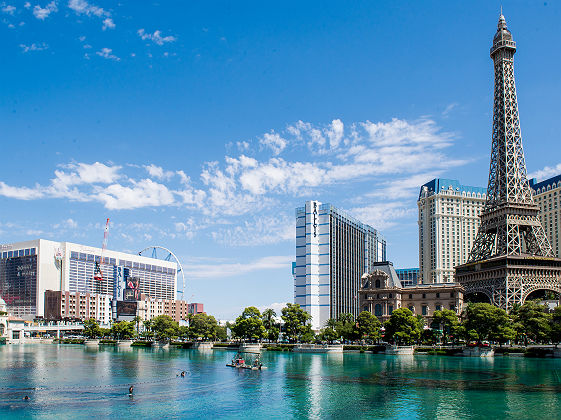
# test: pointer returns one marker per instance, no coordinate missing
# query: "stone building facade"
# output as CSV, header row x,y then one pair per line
x,y
381,293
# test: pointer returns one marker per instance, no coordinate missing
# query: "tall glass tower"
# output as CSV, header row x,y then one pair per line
x,y
333,251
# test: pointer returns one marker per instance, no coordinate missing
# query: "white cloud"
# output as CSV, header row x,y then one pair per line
x,y
27,5
82,7
43,13
66,224
33,47
546,172
20,193
108,24
261,230
274,141
108,54
143,193
449,108
383,215
223,270
6,8
155,37
158,172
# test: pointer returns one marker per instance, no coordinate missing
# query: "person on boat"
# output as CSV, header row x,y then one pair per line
x,y
131,389
183,374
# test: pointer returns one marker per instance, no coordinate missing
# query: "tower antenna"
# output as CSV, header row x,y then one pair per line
x,y
98,274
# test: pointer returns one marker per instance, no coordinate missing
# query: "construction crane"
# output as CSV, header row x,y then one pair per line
x,y
98,274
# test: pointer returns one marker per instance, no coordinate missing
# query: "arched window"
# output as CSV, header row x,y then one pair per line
x,y
377,283
378,310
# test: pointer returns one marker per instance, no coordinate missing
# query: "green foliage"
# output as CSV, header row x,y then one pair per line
x,y
249,325
346,327
221,333
296,321
122,330
164,327
203,326
556,325
328,334
446,322
483,321
270,324
92,329
402,327
533,321
368,326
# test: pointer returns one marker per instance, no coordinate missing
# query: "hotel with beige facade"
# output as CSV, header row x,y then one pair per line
x,y
448,223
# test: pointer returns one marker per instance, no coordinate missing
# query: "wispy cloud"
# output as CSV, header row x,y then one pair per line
x,y
108,24
391,159
449,108
82,7
107,53
33,47
155,37
8,9
42,13
546,172
225,270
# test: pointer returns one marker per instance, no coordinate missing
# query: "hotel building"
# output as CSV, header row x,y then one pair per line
x,y
333,250
28,269
448,223
547,195
382,292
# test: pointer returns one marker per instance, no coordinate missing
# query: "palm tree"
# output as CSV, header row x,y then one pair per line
x,y
268,317
137,321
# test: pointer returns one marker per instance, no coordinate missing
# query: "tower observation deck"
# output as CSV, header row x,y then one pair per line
x,y
511,256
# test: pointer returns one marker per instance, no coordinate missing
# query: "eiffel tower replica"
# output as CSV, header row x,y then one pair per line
x,y
511,256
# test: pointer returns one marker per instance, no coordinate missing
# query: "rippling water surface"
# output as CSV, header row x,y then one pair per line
x,y
71,381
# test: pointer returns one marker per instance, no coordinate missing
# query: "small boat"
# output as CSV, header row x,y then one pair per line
x,y
247,360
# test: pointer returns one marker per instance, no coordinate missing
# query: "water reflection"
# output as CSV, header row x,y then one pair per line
x,y
68,381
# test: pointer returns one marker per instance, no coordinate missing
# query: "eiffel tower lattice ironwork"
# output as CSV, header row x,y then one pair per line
x,y
511,255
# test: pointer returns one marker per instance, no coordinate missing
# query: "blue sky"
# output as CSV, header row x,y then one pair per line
x,y
200,126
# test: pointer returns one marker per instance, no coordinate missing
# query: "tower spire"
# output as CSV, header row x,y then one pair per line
x,y
511,255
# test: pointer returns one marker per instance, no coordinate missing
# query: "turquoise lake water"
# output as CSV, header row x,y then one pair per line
x,y
71,381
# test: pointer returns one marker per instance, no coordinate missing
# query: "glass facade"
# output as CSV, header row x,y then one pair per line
x,y
155,281
18,281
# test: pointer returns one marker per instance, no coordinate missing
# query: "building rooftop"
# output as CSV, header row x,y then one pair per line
x,y
443,184
535,185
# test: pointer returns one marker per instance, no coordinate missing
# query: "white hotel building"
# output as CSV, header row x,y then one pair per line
x,y
448,223
333,251
28,269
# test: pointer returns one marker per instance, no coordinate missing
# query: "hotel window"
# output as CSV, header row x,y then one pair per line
x,y
424,310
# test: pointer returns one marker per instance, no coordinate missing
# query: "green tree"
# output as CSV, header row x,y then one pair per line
x,y
368,326
483,321
328,334
222,333
183,332
270,324
346,326
137,320
249,325
122,330
402,327
91,328
534,320
307,335
555,332
203,326
295,320
164,327
446,323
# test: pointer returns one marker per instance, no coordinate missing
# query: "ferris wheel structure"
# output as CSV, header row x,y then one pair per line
x,y
164,254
